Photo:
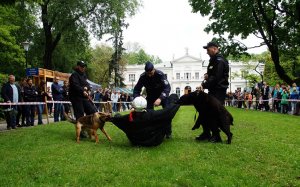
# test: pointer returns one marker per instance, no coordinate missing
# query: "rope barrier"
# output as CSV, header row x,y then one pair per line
x,y
44,103
297,100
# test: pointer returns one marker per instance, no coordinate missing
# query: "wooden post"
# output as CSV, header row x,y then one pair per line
x,y
46,109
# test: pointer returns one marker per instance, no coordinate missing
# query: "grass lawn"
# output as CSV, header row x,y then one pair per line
x,y
265,151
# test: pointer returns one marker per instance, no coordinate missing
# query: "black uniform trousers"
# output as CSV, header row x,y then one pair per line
x,y
220,95
82,106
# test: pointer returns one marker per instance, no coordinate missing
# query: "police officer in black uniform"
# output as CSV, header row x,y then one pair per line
x,y
216,81
79,92
157,88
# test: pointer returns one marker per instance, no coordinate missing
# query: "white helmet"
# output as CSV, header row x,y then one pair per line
x,y
139,104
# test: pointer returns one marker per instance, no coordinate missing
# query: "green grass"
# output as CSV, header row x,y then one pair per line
x,y
265,152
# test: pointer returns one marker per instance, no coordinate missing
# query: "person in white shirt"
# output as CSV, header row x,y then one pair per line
x,y
114,99
11,94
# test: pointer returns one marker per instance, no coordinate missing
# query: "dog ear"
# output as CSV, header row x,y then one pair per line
x,y
104,116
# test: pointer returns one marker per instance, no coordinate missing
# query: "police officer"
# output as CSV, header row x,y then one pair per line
x,y
79,92
157,88
216,81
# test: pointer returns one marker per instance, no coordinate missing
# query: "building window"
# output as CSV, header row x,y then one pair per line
x,y
131,77
177,76
197,75
187,76
178,91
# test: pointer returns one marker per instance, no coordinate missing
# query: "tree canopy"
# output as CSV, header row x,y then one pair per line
x,y
58,31
96,16
275,22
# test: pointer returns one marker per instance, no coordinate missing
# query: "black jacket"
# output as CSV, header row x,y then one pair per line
x,y
147,128
218,73
41,94
77,82
156,86
30,93
7,92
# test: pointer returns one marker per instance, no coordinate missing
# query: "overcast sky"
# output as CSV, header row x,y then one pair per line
x,y
166,28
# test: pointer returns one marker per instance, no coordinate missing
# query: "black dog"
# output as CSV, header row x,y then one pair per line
x,y
211,111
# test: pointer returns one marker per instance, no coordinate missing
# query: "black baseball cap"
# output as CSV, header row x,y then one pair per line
x,y
211,44
81,63
149,66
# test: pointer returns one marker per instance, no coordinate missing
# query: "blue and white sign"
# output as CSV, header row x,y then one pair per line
x,y
32,71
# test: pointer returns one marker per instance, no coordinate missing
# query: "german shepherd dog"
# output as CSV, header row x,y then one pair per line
x,y
211,111
91,123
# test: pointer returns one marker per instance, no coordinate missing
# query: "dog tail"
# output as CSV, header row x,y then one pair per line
x,y
69,119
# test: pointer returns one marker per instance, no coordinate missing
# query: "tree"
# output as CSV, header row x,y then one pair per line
x,y
59,16
98,69
12,59
276,22
135,54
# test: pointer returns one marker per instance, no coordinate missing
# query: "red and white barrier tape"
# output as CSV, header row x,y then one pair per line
x,y
297,100
24,103
43,103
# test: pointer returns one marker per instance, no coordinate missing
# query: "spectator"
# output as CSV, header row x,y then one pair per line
x,y
128,100
260,103
98,98
49,98
30,95
106,99
11,93
284,101
249,99
276,102
265,95
42,94
57,94
66,97
240,98
271,102
21,108
257,95
122,101
114,98
245,99
294,96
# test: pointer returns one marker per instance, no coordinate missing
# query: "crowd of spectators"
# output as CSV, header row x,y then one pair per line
x,y
279,98
120,101
25,91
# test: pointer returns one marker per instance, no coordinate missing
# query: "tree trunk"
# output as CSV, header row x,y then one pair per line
x,y
49,43
47,58
280,71
270,39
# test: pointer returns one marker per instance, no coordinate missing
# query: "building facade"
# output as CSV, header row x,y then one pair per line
x,y
188,72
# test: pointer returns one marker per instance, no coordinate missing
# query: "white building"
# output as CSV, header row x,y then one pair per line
x,y
187,71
